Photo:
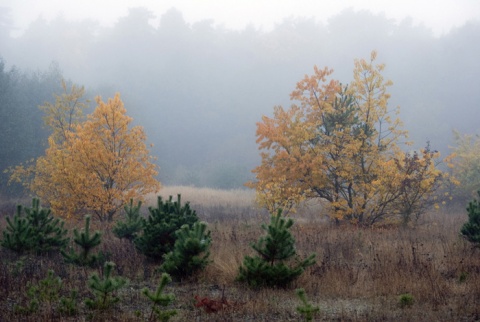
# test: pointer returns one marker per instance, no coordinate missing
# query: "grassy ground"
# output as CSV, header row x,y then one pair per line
x,y
360,274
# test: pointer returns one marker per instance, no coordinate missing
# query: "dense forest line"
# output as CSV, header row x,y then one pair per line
x,y
198,89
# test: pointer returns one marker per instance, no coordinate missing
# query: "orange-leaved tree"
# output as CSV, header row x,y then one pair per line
x,y
339,144
96,165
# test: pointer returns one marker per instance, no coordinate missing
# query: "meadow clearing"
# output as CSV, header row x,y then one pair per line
x,y
426,272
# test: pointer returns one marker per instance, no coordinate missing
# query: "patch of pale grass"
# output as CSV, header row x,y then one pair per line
x,y
207,197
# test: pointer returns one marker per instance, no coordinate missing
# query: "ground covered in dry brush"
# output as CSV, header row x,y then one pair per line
x,y
420,273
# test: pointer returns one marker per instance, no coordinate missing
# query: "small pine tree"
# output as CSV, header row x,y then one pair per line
x,y
471,229
48,232
133,223
191,251
43,295
68,304
104,288
159,299
269,268
38,230
18,234
86,244
158,237
307,310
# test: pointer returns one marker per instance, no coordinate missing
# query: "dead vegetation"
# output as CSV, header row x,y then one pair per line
x,y
360,274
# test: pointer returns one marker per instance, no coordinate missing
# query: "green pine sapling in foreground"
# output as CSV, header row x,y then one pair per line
x,y
17,236
48,232
158,236
42,295
471,229
159,299
190,252
38,230
273,264
86,244
133,223
68,304
307,310
104,288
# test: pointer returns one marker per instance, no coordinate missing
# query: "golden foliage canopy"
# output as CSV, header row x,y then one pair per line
x,y
92,166
340,144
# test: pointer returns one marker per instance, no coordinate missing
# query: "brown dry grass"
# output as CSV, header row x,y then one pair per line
x,y
359,275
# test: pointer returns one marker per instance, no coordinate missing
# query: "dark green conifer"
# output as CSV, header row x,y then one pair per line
x,y
159,229
133,223
159,299
471,229
86,243
18,236
273,265
104,288
37,231
191,251
48,232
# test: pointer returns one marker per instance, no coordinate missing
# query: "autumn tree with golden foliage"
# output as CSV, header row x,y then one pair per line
x,y
340,144
61,117
93,166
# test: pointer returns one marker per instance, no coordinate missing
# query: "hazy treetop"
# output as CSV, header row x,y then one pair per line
x,y
198,87
440,17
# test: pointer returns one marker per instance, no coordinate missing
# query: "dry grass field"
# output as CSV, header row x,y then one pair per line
x,y
360,274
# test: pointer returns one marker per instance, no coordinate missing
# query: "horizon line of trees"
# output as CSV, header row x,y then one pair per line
x,y
198,89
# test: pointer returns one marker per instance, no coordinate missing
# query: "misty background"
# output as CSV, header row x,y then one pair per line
x,y
198,89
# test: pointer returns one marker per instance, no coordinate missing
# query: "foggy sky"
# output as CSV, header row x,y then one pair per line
x,y
439,16
198,88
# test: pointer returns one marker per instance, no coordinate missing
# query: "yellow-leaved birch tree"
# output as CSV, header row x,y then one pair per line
x,y
339,144
94,166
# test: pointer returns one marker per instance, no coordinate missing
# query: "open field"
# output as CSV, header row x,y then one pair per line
x,y
360,274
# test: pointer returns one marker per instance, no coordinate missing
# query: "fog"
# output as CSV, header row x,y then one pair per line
x,y
198,89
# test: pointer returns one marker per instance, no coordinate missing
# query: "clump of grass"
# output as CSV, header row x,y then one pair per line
x,y
463,277
406,300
